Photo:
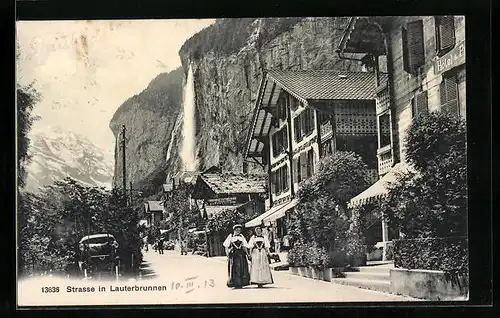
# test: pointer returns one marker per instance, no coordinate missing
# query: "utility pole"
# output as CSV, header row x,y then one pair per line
x,y
124,167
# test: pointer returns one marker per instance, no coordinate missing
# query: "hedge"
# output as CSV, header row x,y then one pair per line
x,y
310,255
448,254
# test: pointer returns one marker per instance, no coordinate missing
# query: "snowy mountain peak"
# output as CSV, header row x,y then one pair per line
x,y
57,154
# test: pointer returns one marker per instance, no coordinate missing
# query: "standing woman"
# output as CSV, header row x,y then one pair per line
x,y
260,272
236,249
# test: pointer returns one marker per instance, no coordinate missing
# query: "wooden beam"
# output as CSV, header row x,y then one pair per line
x,y
290,149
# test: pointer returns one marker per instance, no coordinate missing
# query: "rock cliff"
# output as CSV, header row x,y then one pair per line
x,y
149,118
228,60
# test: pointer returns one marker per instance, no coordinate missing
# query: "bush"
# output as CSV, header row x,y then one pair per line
x,y
432,202
446,254
308,254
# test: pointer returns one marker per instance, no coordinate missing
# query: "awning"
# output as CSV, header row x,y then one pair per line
x,y
379,188
275,209
281,212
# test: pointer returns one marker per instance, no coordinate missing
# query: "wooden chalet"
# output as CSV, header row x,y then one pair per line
x,y
302,116
154,212
216,192
425,60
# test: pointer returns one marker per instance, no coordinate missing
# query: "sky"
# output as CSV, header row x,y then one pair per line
x,y
84,70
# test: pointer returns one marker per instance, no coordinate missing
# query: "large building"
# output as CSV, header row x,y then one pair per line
x,y
425,60
301,116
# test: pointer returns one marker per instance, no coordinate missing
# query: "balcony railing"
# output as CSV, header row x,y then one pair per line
x,y
326,129
382,100
385,160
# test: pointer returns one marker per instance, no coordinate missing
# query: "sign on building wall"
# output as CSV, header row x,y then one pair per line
x,y
222,201
451,59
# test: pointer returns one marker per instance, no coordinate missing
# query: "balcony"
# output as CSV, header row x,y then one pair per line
x,y
385,160
326,130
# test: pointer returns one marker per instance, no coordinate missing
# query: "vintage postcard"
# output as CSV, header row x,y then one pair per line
x,y
249,161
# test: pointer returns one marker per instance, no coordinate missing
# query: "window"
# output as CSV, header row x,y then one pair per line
x,y
281,111
445,34
304,124
419,105
279,180
280,141
297,129
294,103
384,130
310,163
296,170
326,148
413,46
448,90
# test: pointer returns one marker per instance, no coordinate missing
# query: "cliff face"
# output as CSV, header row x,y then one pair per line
x,y
149,118
227,85
228,60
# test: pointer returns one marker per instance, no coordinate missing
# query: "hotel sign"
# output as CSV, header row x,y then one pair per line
x,y
451,59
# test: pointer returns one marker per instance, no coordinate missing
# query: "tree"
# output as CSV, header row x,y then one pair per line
x,y
51,224
181,216
432,201
27,97
321,217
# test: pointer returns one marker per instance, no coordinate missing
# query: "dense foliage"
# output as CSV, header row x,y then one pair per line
x,y
447,254
52,222
27,97
321,219
181,216
432,201
223,222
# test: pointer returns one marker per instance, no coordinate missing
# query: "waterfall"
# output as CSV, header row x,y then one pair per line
x,y
188,150
178,122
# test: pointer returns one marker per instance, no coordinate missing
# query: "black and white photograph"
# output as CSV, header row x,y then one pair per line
x,y
241,161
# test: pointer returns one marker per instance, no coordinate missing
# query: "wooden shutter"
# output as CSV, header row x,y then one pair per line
x,y
415,51
303,121
273,182
449,95
404,42
298,128
310,163
445,33
303,165
420,104
311,121
295,170
275,144
285,177
285,138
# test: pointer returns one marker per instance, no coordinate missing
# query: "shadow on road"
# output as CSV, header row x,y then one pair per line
x,y
145,271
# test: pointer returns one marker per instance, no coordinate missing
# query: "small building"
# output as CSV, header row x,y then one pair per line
x,y
154,212
301,116
216,192
425,60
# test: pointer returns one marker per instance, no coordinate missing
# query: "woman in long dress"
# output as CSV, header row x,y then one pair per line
x,y
237,252
260,272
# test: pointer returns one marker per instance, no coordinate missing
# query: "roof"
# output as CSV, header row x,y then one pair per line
x,y
306,86
155,206
186,176
380,188
88,237
363,35
272,214
168,187
225,183
326,84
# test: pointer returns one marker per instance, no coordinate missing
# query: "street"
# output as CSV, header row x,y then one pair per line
x,y
172,278
172,267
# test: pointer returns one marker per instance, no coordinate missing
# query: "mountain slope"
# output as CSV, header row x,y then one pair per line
x,y
57,154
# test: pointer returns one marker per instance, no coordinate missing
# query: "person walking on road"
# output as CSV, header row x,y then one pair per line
x,y
237,251
260,271
160,246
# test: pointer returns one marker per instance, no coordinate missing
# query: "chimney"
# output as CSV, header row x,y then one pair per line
x,y
245,167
